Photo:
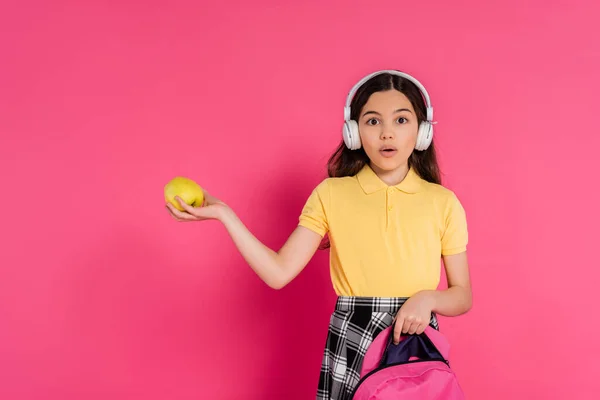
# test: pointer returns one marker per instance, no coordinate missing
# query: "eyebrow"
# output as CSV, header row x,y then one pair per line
x,y
396,111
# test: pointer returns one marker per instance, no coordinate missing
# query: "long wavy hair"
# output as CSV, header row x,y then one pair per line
x,y
346,162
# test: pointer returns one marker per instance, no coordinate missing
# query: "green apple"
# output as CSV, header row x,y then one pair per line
x,y
188,190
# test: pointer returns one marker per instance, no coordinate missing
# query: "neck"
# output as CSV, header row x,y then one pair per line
x,y
392,177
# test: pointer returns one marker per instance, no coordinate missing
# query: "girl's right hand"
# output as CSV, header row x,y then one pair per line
x,y
212,208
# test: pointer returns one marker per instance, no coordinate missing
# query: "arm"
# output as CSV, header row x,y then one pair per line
x,y
275,268
415,314
457,299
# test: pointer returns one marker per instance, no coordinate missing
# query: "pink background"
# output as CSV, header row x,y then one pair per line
x,y
104,296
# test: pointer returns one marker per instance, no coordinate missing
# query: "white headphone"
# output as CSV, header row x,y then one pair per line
x,y
350,131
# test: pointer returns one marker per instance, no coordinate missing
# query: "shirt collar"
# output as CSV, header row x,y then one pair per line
x,y
370,182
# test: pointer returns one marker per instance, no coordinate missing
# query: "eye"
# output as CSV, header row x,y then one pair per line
x,y
402,120
372,121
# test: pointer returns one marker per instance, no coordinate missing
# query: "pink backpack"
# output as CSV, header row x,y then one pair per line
x,y
416,368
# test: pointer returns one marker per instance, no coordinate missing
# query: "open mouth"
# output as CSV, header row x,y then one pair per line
x,y
388,151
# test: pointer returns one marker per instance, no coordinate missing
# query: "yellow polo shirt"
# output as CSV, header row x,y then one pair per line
x,y
386,241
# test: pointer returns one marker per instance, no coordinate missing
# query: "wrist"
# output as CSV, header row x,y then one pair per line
x,y
225,214
431,297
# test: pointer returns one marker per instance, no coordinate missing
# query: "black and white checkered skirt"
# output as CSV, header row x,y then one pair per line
x,y
355,322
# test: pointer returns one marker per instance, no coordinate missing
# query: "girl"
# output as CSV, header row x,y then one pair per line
x,y
388,221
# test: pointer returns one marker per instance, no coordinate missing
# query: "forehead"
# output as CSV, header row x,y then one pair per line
x,y
387,100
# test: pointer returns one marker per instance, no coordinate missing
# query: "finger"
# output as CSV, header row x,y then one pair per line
x,y
407,323
169,208
421,328
398,329
414,326
179,215
172,212
183,204
195,211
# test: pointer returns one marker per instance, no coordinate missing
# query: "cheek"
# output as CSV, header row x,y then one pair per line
x,y
369,136
407,136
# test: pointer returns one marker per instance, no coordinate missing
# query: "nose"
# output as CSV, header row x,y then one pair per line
x,y
387,132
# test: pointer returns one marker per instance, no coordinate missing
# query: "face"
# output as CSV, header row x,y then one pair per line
x,y
388,129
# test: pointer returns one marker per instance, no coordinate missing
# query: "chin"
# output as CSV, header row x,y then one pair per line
x,y
387,164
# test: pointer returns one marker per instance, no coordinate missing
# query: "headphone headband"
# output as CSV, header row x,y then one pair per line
x,y
393,72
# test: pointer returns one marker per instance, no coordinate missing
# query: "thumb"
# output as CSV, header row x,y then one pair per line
x,y
187,208
182,203
206,211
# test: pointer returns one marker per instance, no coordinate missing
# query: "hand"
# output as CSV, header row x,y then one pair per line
x,y
414,315
212,208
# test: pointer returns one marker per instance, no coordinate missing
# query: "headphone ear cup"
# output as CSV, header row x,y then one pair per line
x,y
425,136
351,135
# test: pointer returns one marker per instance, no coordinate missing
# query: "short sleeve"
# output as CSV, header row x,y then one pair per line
x,y
314,213
455,236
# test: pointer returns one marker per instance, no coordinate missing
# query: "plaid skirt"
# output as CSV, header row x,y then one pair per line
x,y
354,324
